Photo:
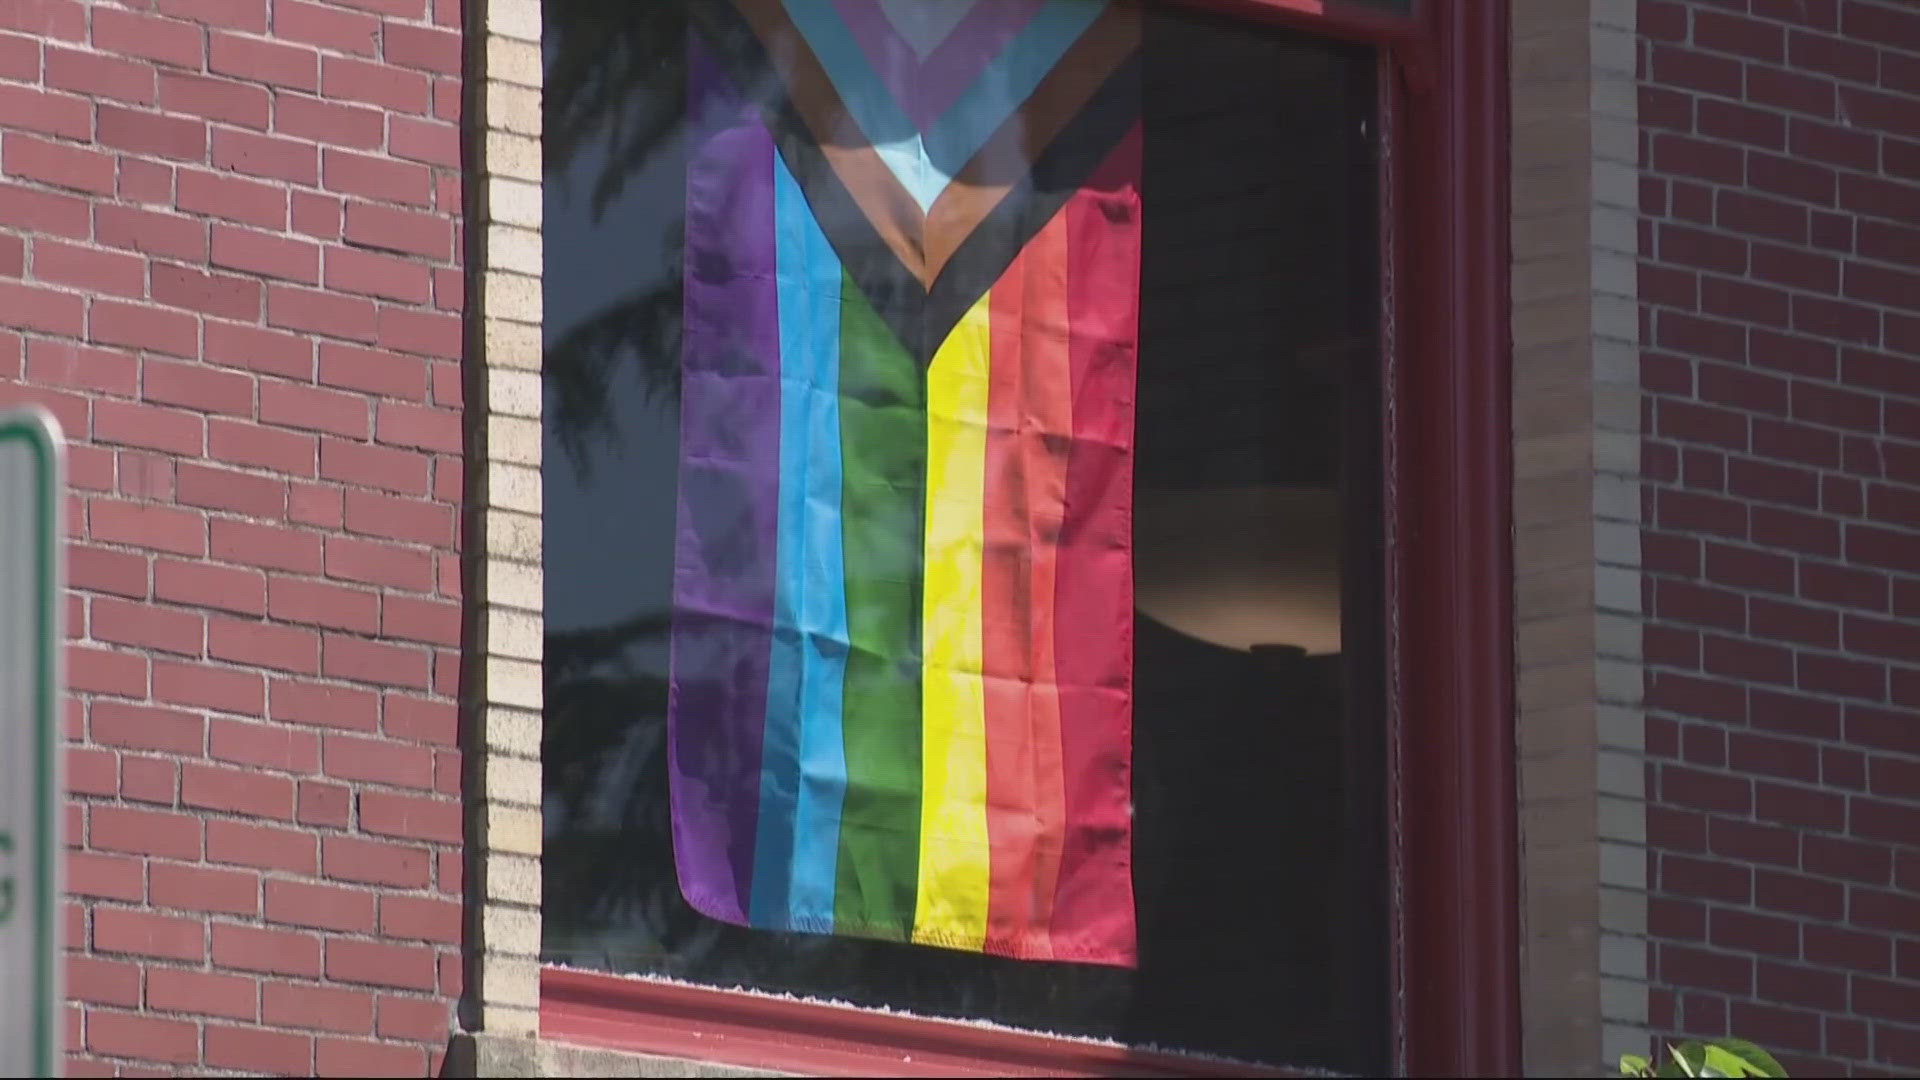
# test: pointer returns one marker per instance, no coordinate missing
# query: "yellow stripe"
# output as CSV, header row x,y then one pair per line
x,y
952,908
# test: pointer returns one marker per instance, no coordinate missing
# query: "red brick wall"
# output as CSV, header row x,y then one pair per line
x,y
1780,281
229,264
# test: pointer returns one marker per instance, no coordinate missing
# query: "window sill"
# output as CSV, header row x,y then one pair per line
x,y
752,1031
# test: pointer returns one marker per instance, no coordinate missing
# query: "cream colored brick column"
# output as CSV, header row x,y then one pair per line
x,y
1576,542
506,639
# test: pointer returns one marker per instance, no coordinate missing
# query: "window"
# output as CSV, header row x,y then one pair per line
x,y
1259,657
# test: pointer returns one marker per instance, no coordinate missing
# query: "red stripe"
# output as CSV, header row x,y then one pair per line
x,y
1093,906
1028,428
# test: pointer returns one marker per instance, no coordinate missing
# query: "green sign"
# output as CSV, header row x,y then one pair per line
x,y
31,792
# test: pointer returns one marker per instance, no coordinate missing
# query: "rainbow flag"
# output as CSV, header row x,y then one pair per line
x,y
902,625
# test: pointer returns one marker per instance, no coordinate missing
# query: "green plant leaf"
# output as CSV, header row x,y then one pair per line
x,y
1688,1057
1634,1065
1758,1061
1719,1061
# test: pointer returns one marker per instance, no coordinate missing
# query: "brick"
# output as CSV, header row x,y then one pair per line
x,y
284,452
319,803
321,1008
278,952
102,982
265,645
327,26
69,409
157,528
421,919
420,720
149,231
355,1057
263,847
317,215
92,772
372,372
237,791
273,62
44,310
210,294
378,563
323,907
436,334
219,689
140,326
281,257
233,198
400,471
63,363
374,863
410,816
411,1019
173,137
373,662
374,177
58,263
122,623
100,76
231,996
111,877
57,164
424,48
1838,947
330,123
223,100
143,727
430,142
196,888
269,546
409,619
145,181
403,424
65,115
266,156
372,274
250,15
146,1038
321,705
250,1049
405,967
320,312
316,603
149,426
315,409
103,672
150,780
263,746
348,79
348,757
143,832
140,933
131,33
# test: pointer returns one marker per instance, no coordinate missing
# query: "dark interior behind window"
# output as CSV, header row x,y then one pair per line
x,y
1260,853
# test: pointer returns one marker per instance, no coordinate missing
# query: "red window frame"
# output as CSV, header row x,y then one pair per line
x,y
1454,845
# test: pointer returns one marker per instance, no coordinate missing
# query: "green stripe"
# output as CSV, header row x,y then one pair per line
x,y
883,432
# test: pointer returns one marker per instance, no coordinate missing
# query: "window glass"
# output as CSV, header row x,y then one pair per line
x,y
1257,791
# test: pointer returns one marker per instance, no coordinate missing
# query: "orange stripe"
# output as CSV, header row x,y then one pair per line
x,y
1028,423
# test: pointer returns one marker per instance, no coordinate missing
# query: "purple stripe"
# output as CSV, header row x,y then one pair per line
x,y
724,554
926,90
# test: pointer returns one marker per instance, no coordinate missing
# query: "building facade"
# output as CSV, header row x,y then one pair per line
x,y
1639,339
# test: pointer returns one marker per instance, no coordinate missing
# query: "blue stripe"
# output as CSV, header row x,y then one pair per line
x,y
926,166
798,842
